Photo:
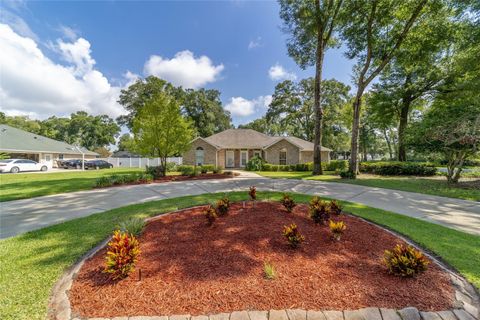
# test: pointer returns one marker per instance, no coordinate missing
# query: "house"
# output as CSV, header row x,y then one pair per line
x,y
233,148
26,145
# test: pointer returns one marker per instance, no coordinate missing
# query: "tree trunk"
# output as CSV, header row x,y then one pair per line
x,y
454,166
357,104
389,144
317,148
402,151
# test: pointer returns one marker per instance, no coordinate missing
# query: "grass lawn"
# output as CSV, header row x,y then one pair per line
x,y
435,185
29,185
32,262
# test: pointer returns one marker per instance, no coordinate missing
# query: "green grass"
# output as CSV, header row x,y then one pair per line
x,y
31,263
435,186
23,186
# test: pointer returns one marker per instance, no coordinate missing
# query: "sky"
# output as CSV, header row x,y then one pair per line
x,y
58,57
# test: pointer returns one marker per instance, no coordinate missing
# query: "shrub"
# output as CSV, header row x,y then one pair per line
x,y
207,168
255,164
128,178
347,175
145,178
318,210
104,181
210,214
222,206
171,166
217,170
293,236
301,167
188,170
334,207
405,261
337,229
253,193
122,254
269,271
397,168
133,226
336,165
288,202
155,171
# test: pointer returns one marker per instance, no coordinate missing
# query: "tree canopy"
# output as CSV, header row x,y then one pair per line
x,y
160,130
203,107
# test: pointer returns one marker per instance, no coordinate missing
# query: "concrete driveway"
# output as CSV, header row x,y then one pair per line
x,y
24,215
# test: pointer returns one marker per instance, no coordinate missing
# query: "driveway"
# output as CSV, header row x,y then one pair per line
x,y
24,215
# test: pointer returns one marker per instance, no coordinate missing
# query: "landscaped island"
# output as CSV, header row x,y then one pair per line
x,y
242,259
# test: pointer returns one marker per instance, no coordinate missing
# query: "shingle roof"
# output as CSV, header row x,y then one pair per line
x,y
251,139
16,140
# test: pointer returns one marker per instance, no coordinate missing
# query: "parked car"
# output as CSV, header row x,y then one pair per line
x,y
17,165
98,164
73,164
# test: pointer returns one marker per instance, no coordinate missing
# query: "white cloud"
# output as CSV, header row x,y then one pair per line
x,y
34,85
255,43
184,69
242,107
277,72
16,23
68,32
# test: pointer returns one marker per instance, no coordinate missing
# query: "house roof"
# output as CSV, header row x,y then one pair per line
x,y
251,139
16,140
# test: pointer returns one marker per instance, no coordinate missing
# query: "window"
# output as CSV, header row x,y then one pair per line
x,y
257,154
60,156
282,157
199,156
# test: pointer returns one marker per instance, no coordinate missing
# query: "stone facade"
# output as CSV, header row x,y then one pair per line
x,y
209,153
272,153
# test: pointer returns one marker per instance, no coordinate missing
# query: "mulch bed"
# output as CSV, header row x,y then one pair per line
x,y
205,176
189,268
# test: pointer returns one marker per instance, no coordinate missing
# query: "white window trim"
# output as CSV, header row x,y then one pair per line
x,y
282,150
246,151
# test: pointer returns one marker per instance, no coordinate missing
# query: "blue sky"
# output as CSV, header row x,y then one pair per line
x,y
96,48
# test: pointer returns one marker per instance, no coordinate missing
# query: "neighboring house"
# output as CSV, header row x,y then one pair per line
x,y
233,148
26,145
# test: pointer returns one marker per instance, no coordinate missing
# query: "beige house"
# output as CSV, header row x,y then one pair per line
x,y
233,148
20,144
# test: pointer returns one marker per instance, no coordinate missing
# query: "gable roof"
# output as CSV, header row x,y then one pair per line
x,y
251,139
239,138
17,140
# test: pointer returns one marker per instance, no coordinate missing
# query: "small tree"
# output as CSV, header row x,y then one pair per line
x,y
160,130
450,127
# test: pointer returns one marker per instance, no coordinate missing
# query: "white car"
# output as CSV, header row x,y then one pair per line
x,y
17,165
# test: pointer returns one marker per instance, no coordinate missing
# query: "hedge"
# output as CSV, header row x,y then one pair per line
x,y
334,165
396,168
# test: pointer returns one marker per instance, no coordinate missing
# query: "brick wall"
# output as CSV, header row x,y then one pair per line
x,y
209,152
272,153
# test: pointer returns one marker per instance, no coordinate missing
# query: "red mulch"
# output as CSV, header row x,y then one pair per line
x,y
203,176
188,267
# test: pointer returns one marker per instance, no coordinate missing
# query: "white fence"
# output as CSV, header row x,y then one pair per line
x,y
139,162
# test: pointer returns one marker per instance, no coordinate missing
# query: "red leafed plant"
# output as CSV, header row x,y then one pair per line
x,y
222,206
335,208
210,214
253,193
122,254
294,237
288,202
405,261
318,210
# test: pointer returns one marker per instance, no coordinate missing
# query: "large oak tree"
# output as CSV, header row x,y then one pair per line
x,y
311,25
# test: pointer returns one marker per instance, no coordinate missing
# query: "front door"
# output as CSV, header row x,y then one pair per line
x,y
229,159
243,158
